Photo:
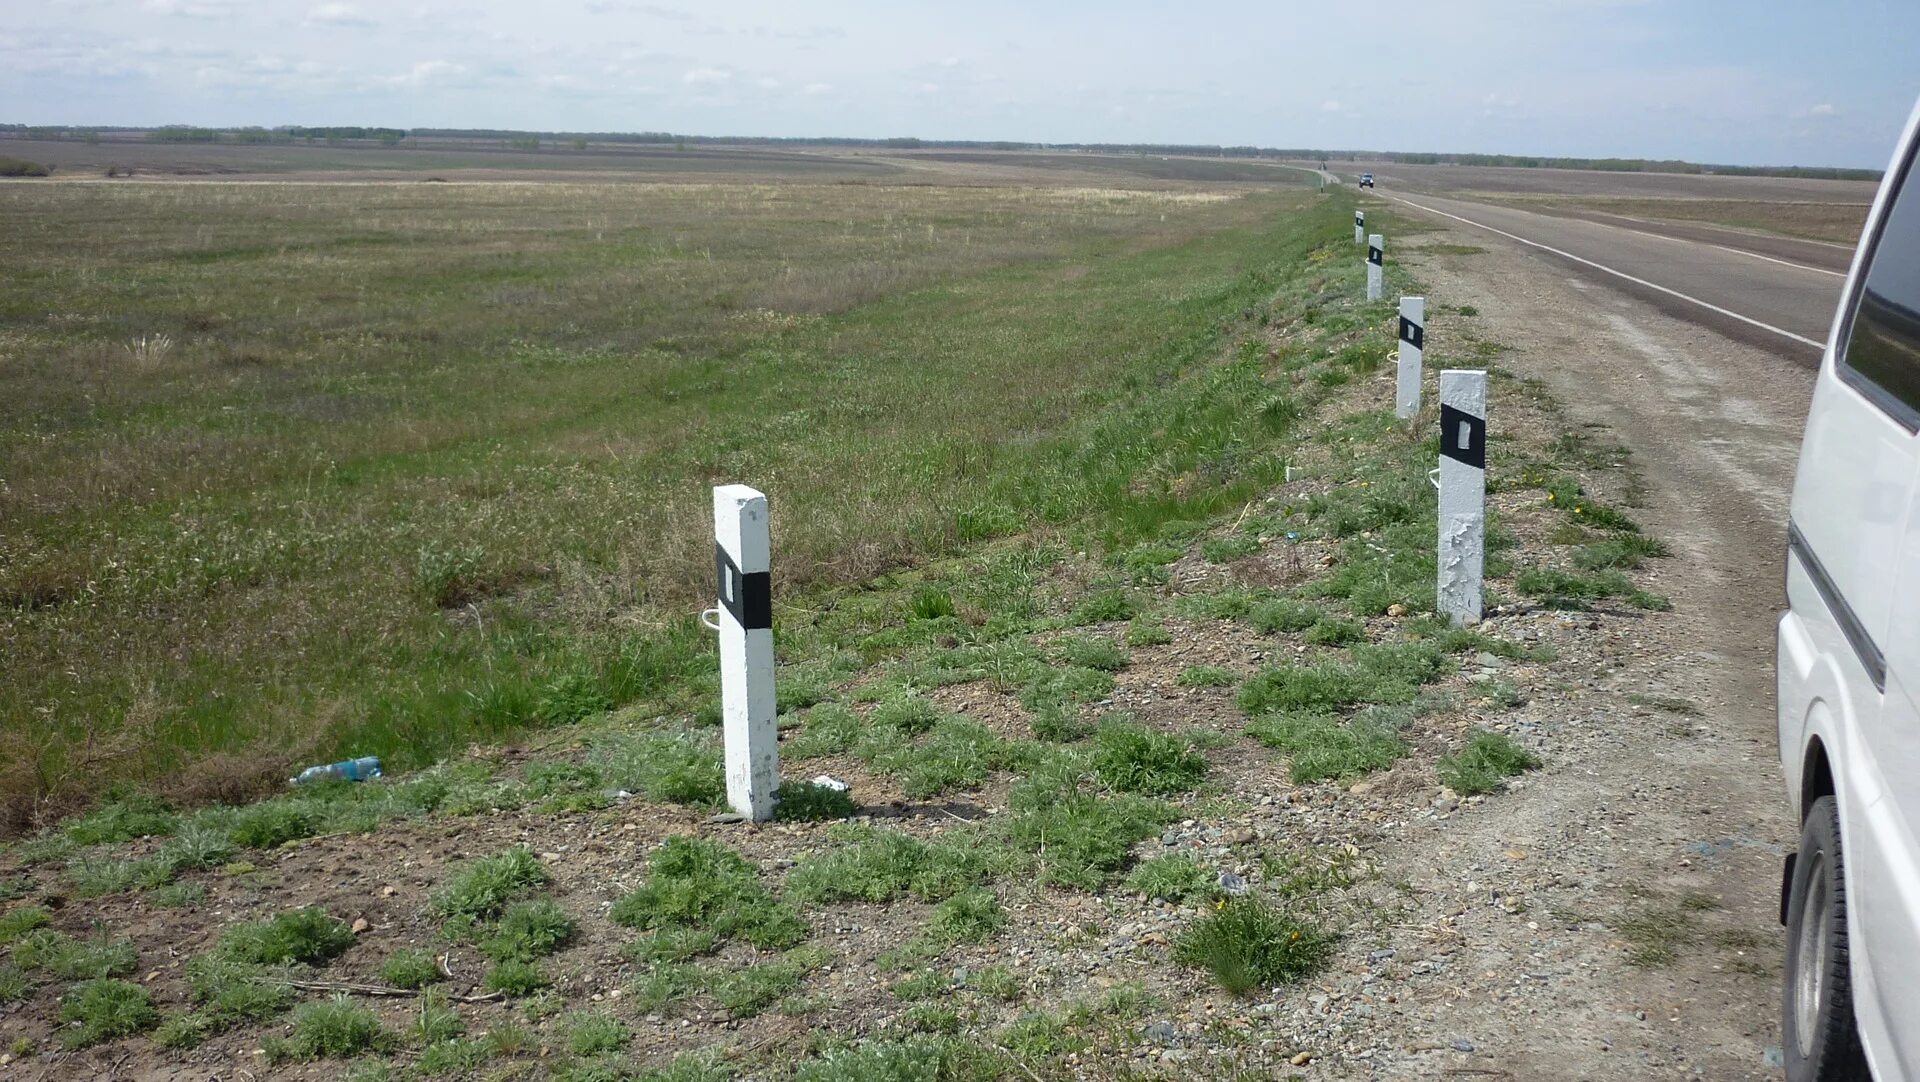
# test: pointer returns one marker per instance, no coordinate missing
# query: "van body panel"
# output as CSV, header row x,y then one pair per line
x,y
1849,646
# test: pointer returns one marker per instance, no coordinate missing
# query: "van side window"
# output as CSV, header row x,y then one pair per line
x,y
1883,341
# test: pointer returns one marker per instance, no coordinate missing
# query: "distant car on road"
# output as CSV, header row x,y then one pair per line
x,y
1366,180
1849,672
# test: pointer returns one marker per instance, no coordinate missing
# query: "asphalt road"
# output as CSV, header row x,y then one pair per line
x,y
1780,296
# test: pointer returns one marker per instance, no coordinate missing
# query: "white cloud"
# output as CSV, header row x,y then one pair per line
x,y
1823,109
1331,105
950,62
424,72
707,77
338,15
817,89
190,9
767,83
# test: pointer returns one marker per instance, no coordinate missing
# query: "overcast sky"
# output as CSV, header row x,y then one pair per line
x,y
1732,81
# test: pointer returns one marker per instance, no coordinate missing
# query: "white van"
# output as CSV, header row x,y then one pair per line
x,y
1849,672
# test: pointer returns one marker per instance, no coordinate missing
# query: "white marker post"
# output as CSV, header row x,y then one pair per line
x,y
1359,227
742,557
1376,264
1413,347
1463,493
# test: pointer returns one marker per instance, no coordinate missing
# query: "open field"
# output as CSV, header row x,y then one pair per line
x,y
303,470
1105,580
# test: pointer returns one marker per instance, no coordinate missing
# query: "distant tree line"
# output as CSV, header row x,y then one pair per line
x,y
179,133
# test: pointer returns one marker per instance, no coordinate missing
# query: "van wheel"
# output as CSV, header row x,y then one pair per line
x,y
1821,1041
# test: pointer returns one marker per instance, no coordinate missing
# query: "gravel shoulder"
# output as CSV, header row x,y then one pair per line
x,y
1659,824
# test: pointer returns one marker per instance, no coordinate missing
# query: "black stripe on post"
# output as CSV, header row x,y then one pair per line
x,y
1412,333
1374,256
1463,437
1359,217
748,597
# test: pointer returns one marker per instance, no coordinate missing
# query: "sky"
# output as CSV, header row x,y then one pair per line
x,y
1807,82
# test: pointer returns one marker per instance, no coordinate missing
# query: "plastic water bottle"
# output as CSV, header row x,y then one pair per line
x,y
347,770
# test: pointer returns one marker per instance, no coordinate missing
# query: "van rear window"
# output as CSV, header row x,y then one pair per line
x,y
1883,340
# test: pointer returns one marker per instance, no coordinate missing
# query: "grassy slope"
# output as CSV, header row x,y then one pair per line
x,y
418,466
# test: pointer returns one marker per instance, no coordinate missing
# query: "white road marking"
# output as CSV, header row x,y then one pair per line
x,y
1708,305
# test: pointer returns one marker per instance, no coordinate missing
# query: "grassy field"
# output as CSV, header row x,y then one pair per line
x,y
295,471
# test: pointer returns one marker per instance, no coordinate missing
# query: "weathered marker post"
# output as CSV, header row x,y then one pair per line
x,y
1463,493
742,556
1359,227
1413,347
1376,264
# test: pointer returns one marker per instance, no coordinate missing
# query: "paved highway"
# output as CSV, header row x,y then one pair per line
x,y
1779,295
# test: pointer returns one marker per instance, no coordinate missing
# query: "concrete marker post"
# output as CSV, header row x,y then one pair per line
x,y
1463,493
742,556
1413,348
1359,227
1376,264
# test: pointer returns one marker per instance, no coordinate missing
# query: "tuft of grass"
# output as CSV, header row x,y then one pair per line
x,y
75,959
1487,759
337,1028
1322,746
877,865
1329,631
435,1021
481,889
593,1032
1145,631
702,886
1225,550
971,916
527,930
14,984
272,824
914,1059
676,768
309,935
1174,878
1623,550
1206,676
1284,615
958,753
1672,704
1249,944
1102,606
122,820
411,967
1093,652
102,1009
806,802
515,977
1132,758
747,991
18,922
229,992
1078,838
996,982
1391,673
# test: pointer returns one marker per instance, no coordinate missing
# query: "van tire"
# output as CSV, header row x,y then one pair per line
x,y
1819,1036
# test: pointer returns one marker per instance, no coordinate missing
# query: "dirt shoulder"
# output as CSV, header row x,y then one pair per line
x,y
1660,842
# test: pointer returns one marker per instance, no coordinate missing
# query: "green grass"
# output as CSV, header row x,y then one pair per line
x,y
593,1032
15,923
370,456
75,959
1079,838
481,889
515,978
528,930
1323,746
308,935
1249,944
1487,759
806,802
1132,758
701,886
1173,878
100,1010
1372,674
1206,676
1093,652
877,865
336,1028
